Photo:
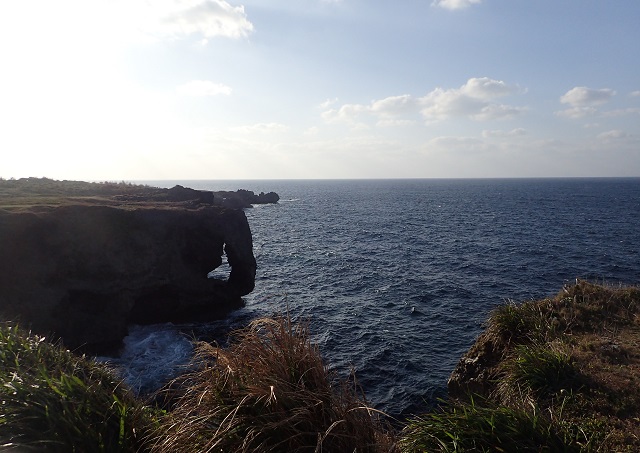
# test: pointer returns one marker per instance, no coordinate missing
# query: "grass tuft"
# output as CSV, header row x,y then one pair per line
x,y
529,322
542,369
269,391
538,372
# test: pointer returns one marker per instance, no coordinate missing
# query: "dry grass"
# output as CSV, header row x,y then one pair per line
x,y
269,392
26,193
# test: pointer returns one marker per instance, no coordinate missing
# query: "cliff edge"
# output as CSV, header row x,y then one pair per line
x,y
84,267
571,361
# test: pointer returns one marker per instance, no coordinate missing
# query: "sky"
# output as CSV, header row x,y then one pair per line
x,y
296,89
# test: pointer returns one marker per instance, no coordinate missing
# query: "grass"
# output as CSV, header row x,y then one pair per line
x,y
54,400
561,374
26,193
529,322
540,369
270,391
472,427
571,360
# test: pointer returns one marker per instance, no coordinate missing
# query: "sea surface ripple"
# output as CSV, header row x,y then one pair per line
x,y
396,277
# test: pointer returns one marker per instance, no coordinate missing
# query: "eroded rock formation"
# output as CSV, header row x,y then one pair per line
x,y
85,272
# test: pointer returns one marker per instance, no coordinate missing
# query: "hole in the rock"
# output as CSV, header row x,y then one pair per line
x,y
221,272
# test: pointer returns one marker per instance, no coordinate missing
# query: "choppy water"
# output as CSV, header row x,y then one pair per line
x,y
397,276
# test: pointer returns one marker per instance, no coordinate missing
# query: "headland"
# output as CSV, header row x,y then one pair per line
x,y
81,261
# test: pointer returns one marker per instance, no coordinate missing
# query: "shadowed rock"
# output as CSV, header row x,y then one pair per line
x,y
84,272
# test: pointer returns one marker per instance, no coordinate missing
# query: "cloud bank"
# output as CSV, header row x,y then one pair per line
x,y
476,100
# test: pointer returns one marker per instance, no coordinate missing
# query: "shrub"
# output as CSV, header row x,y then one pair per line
x,y
269,391
57,401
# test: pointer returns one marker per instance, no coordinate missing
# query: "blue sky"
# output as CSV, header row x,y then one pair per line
x,y
257,89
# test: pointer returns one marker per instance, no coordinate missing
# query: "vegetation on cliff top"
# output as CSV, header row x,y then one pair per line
x,y
54,400
564,371
270,391
559,374
16,194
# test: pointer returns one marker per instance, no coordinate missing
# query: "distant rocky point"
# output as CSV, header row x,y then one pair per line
x,y
16,191
82,261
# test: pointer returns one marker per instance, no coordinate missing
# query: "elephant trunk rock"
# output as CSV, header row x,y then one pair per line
x,y
85,272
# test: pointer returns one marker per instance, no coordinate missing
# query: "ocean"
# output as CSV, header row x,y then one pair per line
x,y
396,277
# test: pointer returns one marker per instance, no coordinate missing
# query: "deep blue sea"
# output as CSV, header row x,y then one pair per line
x,y
397,276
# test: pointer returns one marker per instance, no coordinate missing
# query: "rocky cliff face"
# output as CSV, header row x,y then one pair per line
x,y
84,272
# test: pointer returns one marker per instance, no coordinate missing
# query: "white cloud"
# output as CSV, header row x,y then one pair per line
x,y
393,106
635,93
504,134
583,96
454,4
181,18
486,88
473,100
441,104
611,135
328,103
348,113
576,112
497,112
203,88
390,111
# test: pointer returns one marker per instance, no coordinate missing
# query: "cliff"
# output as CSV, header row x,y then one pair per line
x,y
571,362
84,267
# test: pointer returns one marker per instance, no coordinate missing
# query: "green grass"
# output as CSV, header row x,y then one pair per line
x,y
542,369
54,400
524,323
471,427
570,362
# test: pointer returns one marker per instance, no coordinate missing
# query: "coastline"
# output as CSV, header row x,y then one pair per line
x,y
586,327
557,374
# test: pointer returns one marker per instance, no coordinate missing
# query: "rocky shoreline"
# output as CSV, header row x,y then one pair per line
x,y
81,261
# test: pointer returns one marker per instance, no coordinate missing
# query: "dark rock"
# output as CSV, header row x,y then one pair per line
x,y
180,193
83,273
243,198
265,198
476,374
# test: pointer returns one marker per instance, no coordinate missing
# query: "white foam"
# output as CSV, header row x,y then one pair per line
x,y
152,356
